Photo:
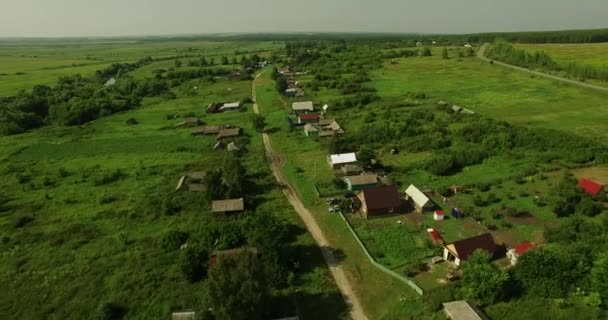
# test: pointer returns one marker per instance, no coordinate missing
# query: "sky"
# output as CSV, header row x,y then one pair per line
x,y
70,18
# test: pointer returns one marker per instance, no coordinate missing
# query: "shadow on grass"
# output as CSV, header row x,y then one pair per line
x,y
308,306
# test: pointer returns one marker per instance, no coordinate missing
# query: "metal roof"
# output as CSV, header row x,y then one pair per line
x,y
343,158
419,198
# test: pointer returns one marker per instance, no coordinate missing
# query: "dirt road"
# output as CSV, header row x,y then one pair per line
x,y
481,55
276,162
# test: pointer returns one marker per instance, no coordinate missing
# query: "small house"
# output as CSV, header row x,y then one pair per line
x,y
192,182
302,107
291,92
213,107
379,200
439,215
461,250
310,130
232,147
230,106
189,122
418,199
352,170
356,183
590,187
462,310
308,118
185,315
228,206
228,133
206,130
337,161
514,253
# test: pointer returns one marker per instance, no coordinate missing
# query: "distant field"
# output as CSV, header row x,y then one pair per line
x,y
44,63
594,54
497,92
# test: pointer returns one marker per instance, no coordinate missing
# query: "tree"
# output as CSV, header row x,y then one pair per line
x,y
259,122
444,54
426,52
237,287
483,281
274,74
599,276
214,185
234,176
111,311
366,155
281,85
224,60
193,263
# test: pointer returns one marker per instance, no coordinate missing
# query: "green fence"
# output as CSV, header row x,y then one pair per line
x,y
382,268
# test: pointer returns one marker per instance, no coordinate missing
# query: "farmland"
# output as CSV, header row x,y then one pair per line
x,y
593,54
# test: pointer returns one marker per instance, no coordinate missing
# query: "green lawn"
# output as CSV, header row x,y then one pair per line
x,y
593,54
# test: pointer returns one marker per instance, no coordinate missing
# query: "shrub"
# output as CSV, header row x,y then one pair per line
x,y
173,240
483,187
21,221
111,311
109,177
193,263
107,198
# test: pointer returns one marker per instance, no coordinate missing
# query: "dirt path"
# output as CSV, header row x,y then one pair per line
x,y
276,163
481,55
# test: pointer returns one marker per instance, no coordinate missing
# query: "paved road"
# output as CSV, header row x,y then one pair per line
x,y
276,162
481,55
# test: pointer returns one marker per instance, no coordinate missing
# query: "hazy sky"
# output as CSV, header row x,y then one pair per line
x,y
149,17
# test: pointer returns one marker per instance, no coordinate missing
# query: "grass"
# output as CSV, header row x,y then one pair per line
x,y
497,92
593,54
93,194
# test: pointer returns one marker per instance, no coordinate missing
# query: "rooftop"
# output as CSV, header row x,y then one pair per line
x,y
303,106
363,179
381,197
419,198
465,248
230,205
343,158
461,310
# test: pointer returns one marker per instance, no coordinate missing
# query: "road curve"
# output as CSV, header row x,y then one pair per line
x,y
481,55
276,163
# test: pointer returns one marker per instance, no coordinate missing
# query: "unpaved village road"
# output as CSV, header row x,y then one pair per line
x,y
481,55
276,162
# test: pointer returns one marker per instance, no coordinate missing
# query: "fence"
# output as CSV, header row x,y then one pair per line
x,y
378,265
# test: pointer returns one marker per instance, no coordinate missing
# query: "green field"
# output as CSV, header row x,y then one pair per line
x,y
94,196
593,54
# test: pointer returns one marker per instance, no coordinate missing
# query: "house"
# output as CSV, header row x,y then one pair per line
x,y
418,199
461,250
206,130
291,92
336,161
213,107
439,215
228,206
352,170
462,310
514,253
189,122
590,187
379,200
310,130
301,107
232,253
308,118
192,182
187,315
228,133
356,183
231,106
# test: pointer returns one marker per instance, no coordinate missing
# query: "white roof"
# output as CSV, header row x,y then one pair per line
x,y
419,198
343,158
303,106
232,105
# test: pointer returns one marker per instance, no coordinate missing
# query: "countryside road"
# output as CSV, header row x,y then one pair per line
x,y
481,55
276,163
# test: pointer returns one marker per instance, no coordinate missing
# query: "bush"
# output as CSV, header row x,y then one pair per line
x,y
107,198
22,221
111,311
109,177
173,240
193,263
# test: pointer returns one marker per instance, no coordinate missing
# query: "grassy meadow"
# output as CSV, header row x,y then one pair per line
x,y
93,198
593,54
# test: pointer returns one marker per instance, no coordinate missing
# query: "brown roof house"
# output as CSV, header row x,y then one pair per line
x,y
189,122
192,181
206,130
228,133
380,200
352,170
360,182
461,250
228,206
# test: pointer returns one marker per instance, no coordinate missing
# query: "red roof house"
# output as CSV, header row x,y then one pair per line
x,y
308,118
590,187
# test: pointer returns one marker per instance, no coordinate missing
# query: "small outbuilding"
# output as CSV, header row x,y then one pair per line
x,y
302,107
514,253
360,182
310,130
206,130
291,92
189,122
228,133
462,310
592,188
379,201
337,161
230,106
418,199
228,206
439,215
184,315
352,170
461,250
